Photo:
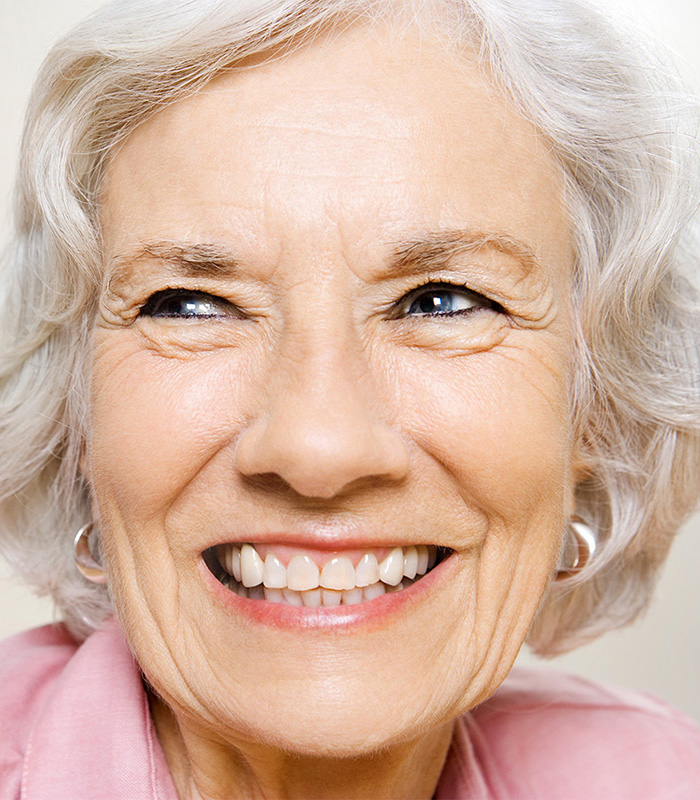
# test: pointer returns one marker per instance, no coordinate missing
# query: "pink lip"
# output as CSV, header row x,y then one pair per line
x,y
341,618
322,541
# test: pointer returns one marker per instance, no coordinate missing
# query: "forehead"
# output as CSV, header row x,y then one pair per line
x,y
359,138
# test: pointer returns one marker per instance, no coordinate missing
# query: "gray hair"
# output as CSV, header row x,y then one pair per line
x,y
624,136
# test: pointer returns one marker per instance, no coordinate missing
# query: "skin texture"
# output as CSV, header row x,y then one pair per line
x,y
318,405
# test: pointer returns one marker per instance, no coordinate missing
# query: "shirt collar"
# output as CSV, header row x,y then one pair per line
x,y
94,737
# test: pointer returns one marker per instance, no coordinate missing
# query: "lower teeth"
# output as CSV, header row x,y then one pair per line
x,y
314,598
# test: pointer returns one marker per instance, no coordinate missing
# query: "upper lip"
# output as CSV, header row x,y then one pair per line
x,y
336,540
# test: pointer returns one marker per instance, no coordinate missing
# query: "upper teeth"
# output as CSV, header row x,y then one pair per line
x,y
303,574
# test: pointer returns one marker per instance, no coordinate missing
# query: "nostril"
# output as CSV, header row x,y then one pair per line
x,y
319,446
268,482
273,484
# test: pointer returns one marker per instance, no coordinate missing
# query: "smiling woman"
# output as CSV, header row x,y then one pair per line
x,y
322,432
313,293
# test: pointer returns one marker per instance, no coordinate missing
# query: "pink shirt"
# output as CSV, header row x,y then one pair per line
x,y
75,725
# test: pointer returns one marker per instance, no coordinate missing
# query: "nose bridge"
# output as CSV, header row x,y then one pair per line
x,y
321,370
322,426
323,359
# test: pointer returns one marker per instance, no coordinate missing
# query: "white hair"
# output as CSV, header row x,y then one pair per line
x,y
624,136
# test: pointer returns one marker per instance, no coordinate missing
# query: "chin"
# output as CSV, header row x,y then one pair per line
x,y
354,733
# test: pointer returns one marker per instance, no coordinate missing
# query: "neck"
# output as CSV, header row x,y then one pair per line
x,y
205,768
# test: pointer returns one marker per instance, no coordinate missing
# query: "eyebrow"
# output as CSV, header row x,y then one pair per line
x,y
192,260
422,254
437,250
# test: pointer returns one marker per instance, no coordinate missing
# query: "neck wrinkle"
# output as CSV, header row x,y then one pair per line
x,y
205,768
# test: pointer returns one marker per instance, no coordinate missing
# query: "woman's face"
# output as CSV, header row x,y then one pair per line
x,y
335,321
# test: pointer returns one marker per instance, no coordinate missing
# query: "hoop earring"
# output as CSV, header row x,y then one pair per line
x,y
84,560
585,548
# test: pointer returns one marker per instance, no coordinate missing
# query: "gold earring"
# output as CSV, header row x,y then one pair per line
x,y
84,560
585,548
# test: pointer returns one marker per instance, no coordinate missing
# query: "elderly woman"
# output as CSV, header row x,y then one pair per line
x,y
357,342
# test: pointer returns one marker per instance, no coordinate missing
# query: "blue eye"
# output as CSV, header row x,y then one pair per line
x,y
442,300
182,303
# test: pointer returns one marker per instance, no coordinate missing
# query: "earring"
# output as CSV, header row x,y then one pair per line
x,y
84,560
585,548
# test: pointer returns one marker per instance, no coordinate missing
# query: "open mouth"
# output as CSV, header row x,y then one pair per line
x,y
293,577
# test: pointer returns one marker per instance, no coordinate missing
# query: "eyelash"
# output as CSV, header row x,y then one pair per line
x,y
151,307
399,308
480,301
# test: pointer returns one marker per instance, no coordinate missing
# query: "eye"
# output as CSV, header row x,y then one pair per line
x,y
187,304
442,300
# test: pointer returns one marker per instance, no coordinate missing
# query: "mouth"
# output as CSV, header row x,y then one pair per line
x,y
296,576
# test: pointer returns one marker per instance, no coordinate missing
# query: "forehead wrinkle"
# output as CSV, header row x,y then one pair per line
x,y
436,250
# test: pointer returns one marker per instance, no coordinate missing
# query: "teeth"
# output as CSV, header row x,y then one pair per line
x,y
391,569
224,554
292,597
235,563
330,598
311,598
432,557
351,597
367,571
274,595
257,592
301,583
422,559
339,574
410,562
274,572
375,590
302,574
251,566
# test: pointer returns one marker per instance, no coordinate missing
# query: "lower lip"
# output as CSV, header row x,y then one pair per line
x,y
367,613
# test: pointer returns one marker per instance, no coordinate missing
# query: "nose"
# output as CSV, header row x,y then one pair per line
x,y
320,430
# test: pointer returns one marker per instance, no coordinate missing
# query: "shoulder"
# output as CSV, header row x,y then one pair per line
x,y
66,709
555,735
30,663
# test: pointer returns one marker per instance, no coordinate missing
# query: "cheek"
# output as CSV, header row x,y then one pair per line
x,y
497,426
499,423
156,421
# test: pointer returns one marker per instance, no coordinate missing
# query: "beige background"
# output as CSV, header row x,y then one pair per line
x,y
661,653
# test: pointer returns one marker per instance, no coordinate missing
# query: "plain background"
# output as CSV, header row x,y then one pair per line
x,y
661,652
